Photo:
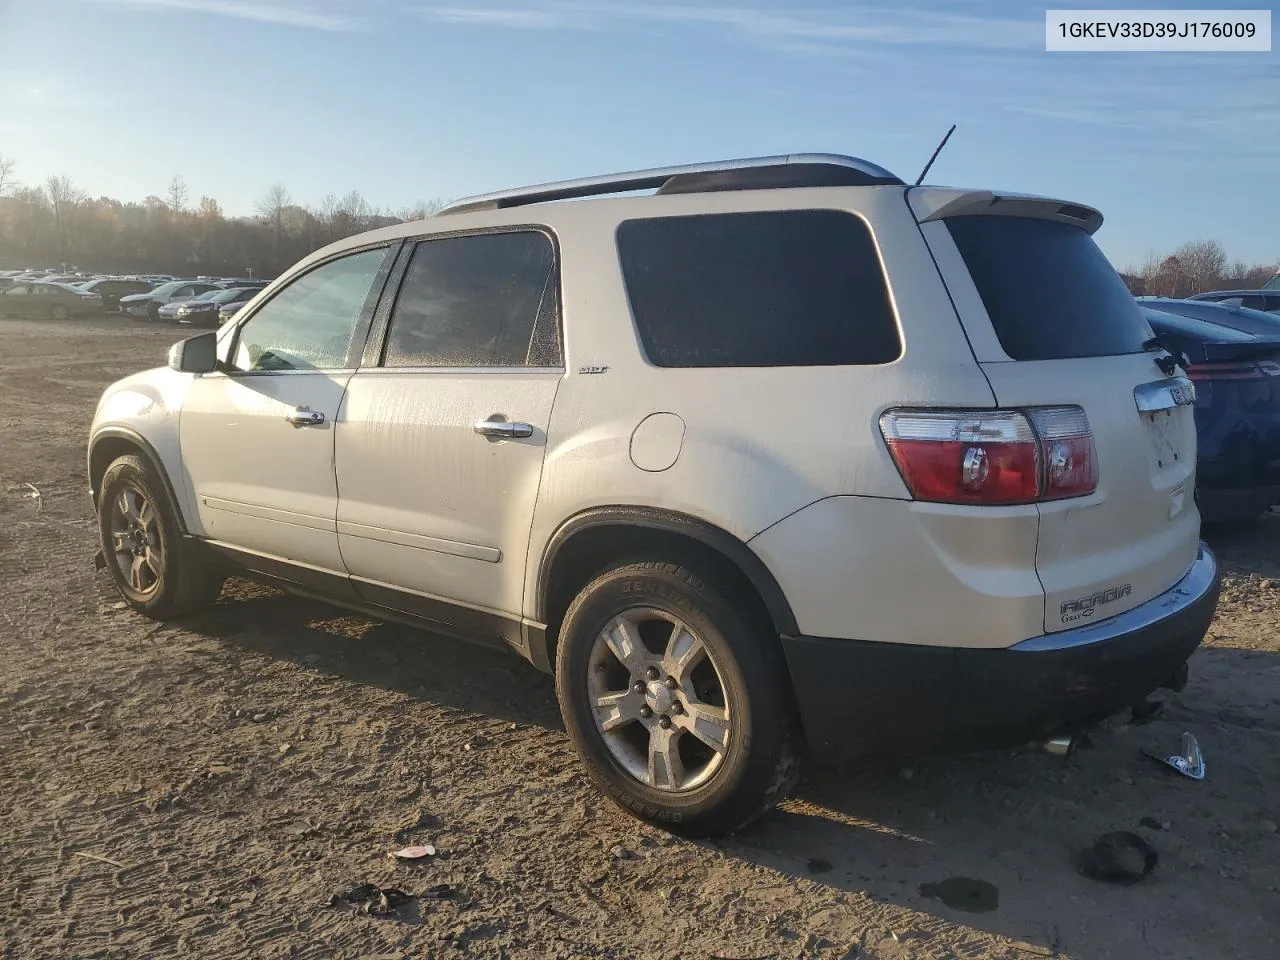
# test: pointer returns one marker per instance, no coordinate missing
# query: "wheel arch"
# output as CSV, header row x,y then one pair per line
x,y
111,443
587,542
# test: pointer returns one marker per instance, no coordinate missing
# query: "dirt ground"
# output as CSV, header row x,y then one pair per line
x,y
203,789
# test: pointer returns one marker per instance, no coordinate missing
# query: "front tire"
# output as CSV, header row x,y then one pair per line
x,y
674,691
158,573
59,312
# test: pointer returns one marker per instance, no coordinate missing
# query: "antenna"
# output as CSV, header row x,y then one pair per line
x,y
920,179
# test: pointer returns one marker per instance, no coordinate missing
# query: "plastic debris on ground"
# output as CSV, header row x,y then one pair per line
x,y
1189,763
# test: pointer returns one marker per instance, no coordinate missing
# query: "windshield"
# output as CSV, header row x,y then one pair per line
x,y
1273,283
1050,292
167,288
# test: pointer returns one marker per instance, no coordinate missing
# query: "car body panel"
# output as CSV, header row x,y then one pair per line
x,y
1256,322
1237,421
1138,532
148,404
1260,299
283,505
428,504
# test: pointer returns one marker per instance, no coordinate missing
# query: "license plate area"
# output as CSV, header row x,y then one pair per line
x,y
1164,430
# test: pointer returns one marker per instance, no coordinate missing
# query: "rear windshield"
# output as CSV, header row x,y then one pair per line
x,y
765,289
1048,289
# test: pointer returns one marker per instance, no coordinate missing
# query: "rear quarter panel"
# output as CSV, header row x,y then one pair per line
x,y
759,443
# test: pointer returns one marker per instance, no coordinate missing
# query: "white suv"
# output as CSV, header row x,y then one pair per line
x,y
787,455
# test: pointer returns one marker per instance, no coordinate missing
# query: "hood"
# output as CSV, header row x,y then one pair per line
x,y
137,298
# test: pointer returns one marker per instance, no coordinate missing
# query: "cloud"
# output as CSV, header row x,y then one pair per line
x,y
307,15
800,30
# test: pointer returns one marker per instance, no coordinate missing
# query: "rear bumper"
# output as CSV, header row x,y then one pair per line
x,y
858,698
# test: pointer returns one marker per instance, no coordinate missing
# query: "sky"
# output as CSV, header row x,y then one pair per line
x,y
406,100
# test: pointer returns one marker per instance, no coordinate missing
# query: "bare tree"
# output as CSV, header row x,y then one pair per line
x,y
272,207
64,198
354,212
177,196
1203,265
420,210
1254,277
6,173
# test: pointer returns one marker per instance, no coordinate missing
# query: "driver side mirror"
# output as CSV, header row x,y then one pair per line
x,y
198,354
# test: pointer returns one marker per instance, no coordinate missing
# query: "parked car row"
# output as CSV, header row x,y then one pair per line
x,y
191,301
53,295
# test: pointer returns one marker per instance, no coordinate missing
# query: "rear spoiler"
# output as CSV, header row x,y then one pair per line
x,y
938,203
1241,350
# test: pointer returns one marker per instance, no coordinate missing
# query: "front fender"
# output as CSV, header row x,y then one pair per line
x,y
144,411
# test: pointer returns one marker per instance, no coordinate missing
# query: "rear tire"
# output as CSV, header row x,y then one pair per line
x,y
157,571
674,691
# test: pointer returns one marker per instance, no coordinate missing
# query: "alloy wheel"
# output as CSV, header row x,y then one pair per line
x,y
135,541
658,699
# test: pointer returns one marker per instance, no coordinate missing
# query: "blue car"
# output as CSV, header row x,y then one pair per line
x,y
1237,411
1240,318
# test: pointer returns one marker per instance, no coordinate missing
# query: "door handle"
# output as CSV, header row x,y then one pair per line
x,y
305,417
503,429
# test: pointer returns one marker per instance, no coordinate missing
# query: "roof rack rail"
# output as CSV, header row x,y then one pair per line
x,y
751,173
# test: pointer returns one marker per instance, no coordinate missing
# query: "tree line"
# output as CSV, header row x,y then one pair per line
x,y
1195,267
56,224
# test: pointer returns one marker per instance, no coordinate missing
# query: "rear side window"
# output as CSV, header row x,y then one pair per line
x,y
485,300
766,289
1050,292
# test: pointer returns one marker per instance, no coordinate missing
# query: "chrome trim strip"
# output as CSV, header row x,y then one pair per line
x,y
1164,394
1188,591
454,548
268,513
456,371
649,179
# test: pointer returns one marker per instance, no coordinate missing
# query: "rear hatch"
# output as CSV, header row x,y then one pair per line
x,y
1052,324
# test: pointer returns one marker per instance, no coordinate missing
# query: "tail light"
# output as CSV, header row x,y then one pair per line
x,y
1202,372
993,456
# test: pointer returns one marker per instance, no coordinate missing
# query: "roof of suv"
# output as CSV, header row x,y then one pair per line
x,y
749,173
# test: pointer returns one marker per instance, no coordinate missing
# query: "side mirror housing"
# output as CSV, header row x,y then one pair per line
x,y
198,354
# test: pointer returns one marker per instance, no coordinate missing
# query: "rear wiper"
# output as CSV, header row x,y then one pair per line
x,y
1173,359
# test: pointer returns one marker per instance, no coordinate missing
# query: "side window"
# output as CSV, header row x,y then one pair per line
x,y
487,300
769,289
1273,303
309,324
18,290
1254,302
